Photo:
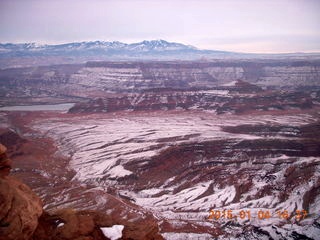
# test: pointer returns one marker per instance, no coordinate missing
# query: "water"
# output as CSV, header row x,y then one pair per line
x,y
49,107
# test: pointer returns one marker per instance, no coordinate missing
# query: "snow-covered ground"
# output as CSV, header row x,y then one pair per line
x,y
101,145
114,232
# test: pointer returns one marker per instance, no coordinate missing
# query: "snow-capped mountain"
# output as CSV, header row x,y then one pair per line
x,y
158,45
113,49
103,45
33,54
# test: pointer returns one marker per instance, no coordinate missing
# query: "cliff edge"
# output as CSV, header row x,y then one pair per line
x,y
22,216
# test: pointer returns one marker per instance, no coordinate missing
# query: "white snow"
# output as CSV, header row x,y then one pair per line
x,y
230,84
187,236
216,92
102,145
48,107
60,225
114,232
119,171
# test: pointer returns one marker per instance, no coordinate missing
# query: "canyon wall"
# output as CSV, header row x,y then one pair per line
x,y
60,83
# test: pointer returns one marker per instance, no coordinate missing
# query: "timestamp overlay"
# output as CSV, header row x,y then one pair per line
x,y
245,215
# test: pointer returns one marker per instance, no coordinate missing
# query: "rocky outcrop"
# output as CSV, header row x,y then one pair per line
x,y
150,101
241,86
20,207
237,98
69,224
72,83
20,210
268,101
23,218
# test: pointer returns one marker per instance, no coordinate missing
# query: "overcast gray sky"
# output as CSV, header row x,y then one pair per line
x,y
234,25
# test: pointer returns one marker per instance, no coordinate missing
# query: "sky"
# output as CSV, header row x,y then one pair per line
x,y
259,26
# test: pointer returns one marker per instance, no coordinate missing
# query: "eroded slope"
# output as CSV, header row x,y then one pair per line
x,y
179,165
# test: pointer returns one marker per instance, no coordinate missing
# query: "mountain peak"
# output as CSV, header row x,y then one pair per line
x,y
155,41
148,49
159,45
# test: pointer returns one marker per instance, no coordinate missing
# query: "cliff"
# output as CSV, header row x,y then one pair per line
x,y
22,216
73,83
237,97
20,207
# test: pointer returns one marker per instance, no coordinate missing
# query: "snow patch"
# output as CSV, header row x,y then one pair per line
x,y
119,171
230,84
187,236
114,232
60,225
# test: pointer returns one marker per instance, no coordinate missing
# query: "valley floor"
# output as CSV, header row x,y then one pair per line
x,y
258,172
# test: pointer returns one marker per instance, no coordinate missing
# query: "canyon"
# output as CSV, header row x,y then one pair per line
x,y
81,82
159,144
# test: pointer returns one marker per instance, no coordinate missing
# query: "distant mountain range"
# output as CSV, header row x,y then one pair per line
x,y
101,48
32,54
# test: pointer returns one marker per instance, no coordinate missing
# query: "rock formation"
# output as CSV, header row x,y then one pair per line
x,y
78,82
238,97
20,207
22,216
69,224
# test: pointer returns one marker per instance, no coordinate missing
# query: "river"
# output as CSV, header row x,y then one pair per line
x,y
49,107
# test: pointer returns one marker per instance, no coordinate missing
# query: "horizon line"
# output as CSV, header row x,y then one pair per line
x,y
56,43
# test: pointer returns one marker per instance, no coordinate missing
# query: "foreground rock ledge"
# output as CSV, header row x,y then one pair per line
x,y
22,216
20,209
